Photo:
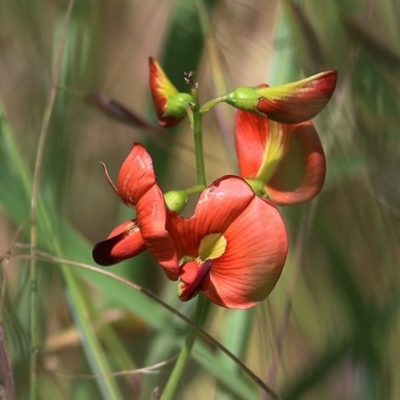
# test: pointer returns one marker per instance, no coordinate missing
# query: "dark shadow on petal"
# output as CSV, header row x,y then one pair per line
x,y
118,248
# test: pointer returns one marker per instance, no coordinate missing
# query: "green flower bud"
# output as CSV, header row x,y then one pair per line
x,y
244,98
291,103
176,105
176,200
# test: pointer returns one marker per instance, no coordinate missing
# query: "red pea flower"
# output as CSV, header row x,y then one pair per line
x,y
170,105
137,187
291,103
233,248
288,159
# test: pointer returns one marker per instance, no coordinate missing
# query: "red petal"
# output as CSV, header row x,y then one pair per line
x,y
136,175
218,206
152,218
298,101
301,173
253,133
193,278
253,260
124,242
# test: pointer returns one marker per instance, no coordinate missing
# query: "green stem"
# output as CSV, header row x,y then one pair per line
x,y
198,138
211,103
184,355
195,189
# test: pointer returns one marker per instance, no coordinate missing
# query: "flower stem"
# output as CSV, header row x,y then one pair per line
x,y
198,137
195,189
184,355
211,103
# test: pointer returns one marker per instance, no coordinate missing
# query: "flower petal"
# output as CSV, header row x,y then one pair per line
x,y
250,135
124,242
301,173
253,261
136,175
152,217
260,144
193,278
217,208
298,101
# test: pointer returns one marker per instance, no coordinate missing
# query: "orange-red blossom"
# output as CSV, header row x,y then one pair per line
x,y
276,143
233,248
288,159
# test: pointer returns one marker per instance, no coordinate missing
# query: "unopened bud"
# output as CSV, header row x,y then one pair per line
x,y
291,103
176,200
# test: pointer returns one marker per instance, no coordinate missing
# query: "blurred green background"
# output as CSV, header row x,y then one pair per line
x,y
329,330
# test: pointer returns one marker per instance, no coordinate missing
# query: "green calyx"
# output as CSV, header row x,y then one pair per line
x,y
258,186
177,105
244,98
176,200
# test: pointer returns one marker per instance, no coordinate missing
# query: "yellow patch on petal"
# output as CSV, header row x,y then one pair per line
x,y
292,89
275,149
165,87
212,246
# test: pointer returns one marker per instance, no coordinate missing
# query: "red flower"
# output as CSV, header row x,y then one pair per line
x,y
138,188
289,159
234,246
290,103
169,103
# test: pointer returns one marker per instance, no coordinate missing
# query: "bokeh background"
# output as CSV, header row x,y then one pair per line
x,y
329,330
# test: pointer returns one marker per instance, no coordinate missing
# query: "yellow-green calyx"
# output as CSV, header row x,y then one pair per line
x,y
176,200
243,98
258,186
177,104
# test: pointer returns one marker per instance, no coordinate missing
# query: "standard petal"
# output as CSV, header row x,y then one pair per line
x,y
301,173
253,261
218,206
124,242
136,175
298,101
152,217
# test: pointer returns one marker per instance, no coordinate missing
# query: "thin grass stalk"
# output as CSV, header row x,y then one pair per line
x,y
34,335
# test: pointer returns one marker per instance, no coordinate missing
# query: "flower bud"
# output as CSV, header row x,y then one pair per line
x,y
176,200
169,103
291,103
